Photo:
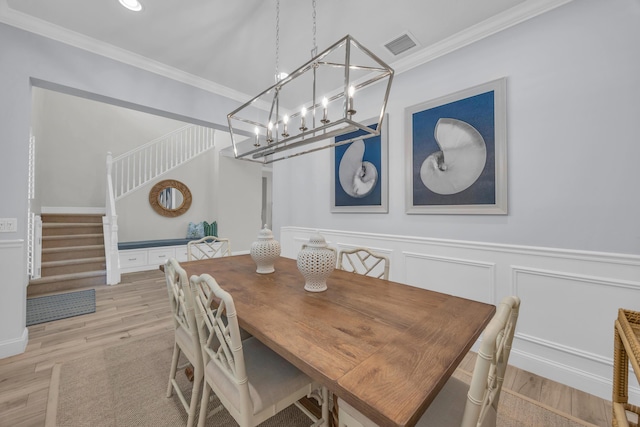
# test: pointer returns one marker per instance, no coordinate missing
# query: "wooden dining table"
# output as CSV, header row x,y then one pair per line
x,y
384,348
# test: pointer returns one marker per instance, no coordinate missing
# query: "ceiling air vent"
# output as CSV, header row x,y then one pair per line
x,y
401,44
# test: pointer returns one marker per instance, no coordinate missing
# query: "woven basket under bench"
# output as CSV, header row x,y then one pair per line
x,y
626,348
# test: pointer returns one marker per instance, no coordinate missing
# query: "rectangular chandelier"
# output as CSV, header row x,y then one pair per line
x,y
306,110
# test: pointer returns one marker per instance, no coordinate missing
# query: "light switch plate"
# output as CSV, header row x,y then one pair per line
x,y
8,225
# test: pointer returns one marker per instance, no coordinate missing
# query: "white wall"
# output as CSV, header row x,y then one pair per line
x,y
241,223
73,136
138,221
569,299
27,58
570,244
13,303
223,189
572,108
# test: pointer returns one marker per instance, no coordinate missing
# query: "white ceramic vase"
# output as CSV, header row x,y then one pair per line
x,y
316,261
265,251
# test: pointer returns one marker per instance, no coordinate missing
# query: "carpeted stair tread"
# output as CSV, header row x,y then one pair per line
x,y
71,218
71,236
71,248
72,261
70,224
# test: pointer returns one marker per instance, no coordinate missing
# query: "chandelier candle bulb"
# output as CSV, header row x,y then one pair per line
x,y
269,132
325,103
285,120
257,143
351,110
303,113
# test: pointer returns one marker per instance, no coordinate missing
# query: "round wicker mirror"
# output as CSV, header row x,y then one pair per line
x,y
170,198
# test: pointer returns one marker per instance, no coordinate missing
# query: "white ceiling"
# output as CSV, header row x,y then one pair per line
x,y
228,46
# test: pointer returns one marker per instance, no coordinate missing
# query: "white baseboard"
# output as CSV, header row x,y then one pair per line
x,y
570,299
15,346
13,331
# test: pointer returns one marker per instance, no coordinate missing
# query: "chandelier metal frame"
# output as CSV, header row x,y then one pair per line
x,y
276,140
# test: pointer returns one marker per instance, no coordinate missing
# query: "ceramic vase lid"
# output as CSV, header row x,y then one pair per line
x,y
317,241
265,234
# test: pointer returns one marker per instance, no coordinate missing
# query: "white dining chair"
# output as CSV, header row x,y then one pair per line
x,y
480,410
252,381
187,341
208,247
364,261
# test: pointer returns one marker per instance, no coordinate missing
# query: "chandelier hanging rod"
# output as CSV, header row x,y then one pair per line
x,y
293,75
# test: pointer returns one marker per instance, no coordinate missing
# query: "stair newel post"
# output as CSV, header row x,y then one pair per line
x,y
110,229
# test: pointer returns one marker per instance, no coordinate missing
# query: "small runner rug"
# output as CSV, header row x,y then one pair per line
x,y
60,306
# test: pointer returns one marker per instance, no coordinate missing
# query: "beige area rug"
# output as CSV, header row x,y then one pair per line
x,y
125,386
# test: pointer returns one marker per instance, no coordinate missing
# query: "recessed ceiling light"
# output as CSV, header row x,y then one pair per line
x,y
134,5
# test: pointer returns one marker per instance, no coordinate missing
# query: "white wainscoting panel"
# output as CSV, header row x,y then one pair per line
x,y
570,299
13,301
454,276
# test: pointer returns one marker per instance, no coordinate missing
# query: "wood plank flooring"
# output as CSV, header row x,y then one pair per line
x,y
137,308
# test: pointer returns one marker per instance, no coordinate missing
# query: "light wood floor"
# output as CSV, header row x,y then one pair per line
x,y
139,307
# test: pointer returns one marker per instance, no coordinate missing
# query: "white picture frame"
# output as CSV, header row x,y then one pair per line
x,y
376,155
447,139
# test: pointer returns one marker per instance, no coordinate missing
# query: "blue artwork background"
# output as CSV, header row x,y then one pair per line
x,y
373,154
479,112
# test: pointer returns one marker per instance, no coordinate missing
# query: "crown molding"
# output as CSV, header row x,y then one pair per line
x,y
46,29
509,18
518,14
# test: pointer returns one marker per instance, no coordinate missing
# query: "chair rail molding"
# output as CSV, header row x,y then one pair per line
x,y
570,298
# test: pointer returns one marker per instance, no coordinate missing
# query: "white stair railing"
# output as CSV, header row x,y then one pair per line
x,y
34,223
132,170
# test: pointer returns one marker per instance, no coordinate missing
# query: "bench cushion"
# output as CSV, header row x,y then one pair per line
x,y
152,243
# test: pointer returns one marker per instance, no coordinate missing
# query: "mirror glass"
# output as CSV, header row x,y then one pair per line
x,y
170,198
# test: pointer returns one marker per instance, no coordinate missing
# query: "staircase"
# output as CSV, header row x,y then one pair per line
x,y
130,171
72,254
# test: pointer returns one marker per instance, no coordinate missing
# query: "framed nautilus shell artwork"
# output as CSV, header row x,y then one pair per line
x,y
359,171
456,153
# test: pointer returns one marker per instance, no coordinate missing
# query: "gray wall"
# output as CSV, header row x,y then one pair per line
x,y
573,151
73,136
27,58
